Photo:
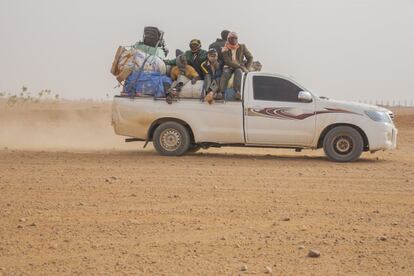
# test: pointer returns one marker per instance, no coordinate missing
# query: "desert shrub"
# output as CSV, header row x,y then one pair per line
x,y
25,96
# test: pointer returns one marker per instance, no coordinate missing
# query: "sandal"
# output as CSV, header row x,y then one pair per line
x,y
209,97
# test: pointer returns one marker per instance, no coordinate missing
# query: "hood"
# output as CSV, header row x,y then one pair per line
x,y
350,106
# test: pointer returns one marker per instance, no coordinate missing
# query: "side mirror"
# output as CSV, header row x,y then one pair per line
x,y
305,97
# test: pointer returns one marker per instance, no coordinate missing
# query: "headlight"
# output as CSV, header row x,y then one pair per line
x,y
378,116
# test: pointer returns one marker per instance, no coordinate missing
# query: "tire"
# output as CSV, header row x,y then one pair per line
x,y
171,139
343,144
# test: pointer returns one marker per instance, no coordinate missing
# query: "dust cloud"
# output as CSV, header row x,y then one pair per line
x,y
58,126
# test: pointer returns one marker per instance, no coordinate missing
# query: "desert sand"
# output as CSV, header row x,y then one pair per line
x,y
76,199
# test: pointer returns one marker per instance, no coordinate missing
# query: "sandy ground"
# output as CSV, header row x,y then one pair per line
x,y
75,199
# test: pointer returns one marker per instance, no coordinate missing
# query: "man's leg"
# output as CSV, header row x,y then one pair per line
x,y
207,84
238,73
208,95
224,80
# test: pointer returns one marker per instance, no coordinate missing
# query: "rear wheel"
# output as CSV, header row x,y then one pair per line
x,y
171,139
343,144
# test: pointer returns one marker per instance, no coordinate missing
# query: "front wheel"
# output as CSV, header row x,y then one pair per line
x,y
171,139
343,144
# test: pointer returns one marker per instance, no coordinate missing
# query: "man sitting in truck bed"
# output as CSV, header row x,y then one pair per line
x,y
219,44
212,69
195,56
183,69
181,74
233,56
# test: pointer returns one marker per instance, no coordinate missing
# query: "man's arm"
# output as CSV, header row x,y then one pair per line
x,y
228,61
193,75
172,62
204,68
249,57
174,73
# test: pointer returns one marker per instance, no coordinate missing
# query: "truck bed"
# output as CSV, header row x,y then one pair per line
x,y
220,122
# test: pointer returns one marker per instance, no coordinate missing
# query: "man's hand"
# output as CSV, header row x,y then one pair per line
x,y
244,69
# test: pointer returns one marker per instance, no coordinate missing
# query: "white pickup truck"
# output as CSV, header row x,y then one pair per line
x,y
275,112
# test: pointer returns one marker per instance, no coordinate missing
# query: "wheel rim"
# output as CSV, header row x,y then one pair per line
x,y
170,139
343,144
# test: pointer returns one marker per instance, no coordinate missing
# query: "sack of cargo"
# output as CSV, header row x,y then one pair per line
x,y
123,59
123,75
149,84
122,65
153,64
193,91
187,89
127,61
153,42
151,36
159,52
114,68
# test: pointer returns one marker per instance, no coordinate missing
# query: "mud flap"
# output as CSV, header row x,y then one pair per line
x,y
146,143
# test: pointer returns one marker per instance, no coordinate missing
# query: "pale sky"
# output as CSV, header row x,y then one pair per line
x,y
343,49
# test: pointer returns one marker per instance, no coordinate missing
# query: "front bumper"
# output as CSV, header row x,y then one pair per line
x,y
383,137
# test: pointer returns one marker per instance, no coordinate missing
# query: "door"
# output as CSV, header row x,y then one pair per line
x,y
274,115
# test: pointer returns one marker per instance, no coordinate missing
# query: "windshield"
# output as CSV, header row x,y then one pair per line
x,y
304,88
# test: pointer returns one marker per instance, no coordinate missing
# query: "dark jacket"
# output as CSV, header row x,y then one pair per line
x,y
241,53
206,68
218,45
192,60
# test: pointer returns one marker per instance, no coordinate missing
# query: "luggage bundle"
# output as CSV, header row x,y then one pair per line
x,y
146,84
188,90
140,68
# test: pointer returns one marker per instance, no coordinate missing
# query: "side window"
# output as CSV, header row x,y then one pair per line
x,y
274,89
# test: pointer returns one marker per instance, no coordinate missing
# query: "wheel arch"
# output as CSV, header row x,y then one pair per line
x,y
328,128
158,122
